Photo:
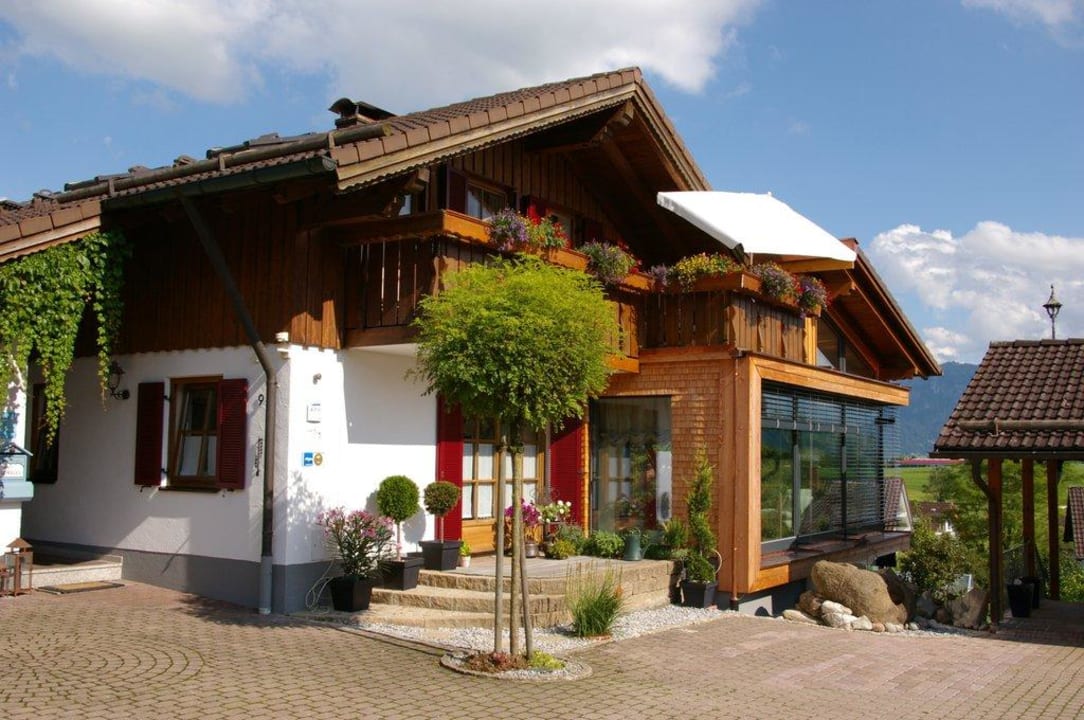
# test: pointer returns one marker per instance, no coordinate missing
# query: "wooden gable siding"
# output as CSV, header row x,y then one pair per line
x,y
545,175
290,280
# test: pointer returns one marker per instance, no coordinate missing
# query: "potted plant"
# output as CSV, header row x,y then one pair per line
x,y
698,586
439,498
609,263
532,524
464,554
397,498
360,542
508,230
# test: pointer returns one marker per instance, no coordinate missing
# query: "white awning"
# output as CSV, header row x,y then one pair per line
x,y
758,225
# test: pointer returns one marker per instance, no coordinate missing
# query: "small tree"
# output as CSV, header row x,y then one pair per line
x,y
698,504
397,498
520,341
439,498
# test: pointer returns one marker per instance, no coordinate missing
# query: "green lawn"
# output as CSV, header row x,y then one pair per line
x,y
915,479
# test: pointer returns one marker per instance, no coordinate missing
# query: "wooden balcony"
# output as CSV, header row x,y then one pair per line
x,y
393,263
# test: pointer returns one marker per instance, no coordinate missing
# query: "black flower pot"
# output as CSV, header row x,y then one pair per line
x,y
401,574
440,554
351,594
697,594
1020,598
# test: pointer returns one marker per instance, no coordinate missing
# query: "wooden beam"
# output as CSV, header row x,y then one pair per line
x,y
643,194
997,552
1027,480
1053,474
814,378
583,134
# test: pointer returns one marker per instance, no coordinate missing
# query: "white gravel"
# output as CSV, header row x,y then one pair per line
x,y
558,640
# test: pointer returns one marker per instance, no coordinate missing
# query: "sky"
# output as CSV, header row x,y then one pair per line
x,y
947,136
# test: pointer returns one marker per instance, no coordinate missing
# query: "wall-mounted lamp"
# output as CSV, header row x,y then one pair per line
x,y
112,382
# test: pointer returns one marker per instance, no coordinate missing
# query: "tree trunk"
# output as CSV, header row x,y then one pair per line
x,y
498,612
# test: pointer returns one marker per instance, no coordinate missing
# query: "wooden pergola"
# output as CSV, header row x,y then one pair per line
x,y
1025,403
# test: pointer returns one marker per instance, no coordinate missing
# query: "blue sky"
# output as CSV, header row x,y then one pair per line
x,y
946,135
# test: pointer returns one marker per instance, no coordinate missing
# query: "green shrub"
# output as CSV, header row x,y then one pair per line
x,y
1072,578
934,561
699,506
561,549
699,569
574,534
594,599
397,497
544,661
604,544
657,551
440,497
675,533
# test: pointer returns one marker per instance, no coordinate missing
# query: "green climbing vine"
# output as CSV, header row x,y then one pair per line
x,y
42,300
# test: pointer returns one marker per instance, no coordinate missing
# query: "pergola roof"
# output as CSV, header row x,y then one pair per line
x,y
1026,400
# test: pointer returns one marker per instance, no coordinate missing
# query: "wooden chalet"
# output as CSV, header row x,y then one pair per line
x,y
311,254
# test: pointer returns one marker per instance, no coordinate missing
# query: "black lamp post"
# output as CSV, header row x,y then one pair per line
x,y
1053,307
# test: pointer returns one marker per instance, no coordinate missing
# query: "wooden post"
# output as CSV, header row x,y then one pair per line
x,y
997,554
1053,474
1027,477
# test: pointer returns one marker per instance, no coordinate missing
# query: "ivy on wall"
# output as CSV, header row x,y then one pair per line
x,y
42,300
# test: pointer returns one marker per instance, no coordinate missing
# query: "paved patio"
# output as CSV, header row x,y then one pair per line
x,y
144,652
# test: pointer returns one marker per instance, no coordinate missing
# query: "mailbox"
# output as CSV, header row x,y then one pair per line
x,y
14,473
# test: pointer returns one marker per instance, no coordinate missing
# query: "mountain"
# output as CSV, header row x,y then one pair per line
x,y
932,402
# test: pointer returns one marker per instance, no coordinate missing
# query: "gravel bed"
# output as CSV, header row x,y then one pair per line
x,y
558,640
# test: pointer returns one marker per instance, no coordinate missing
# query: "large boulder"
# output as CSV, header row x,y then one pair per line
x,y
901,591
968,610
865,592
810,603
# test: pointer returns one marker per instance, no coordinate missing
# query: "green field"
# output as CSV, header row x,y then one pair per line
x,y
914,478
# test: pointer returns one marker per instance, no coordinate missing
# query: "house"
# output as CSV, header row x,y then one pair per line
x,y
272,286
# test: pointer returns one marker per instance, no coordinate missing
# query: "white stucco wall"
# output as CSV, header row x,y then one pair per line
x,y
95,501
373,422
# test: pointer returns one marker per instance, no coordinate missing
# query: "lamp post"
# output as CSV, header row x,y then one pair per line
x,y
1052,307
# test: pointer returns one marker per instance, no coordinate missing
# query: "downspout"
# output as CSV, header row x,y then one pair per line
x,y
214,254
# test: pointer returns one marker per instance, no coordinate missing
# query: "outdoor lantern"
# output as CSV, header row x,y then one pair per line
x,y
1053,307
112,382
19,558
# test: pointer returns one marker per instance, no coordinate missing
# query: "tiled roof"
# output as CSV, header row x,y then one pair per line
x,y
1026,399
405,141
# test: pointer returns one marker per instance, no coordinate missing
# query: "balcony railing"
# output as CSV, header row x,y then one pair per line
x,y
393,264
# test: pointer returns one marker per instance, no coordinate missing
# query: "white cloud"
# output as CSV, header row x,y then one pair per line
x,y
988,284
1048,12
398,55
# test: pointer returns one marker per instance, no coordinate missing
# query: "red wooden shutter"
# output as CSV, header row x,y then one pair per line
x,y
457,191
450,461
148,451
232,433
566,468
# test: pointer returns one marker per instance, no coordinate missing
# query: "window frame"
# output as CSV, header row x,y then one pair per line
x,y
473,438
179,389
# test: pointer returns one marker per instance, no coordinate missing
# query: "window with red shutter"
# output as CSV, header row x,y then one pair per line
x,y
208,430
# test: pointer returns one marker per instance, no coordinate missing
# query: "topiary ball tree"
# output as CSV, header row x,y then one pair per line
x,y
397,498
439,498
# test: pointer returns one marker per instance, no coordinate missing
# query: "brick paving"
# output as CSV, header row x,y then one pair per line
x,y
145,652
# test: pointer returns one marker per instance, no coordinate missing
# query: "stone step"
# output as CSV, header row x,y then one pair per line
x,y
550,577
442,598
62,566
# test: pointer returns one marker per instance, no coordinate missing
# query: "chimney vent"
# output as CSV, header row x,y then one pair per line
x,y
357,113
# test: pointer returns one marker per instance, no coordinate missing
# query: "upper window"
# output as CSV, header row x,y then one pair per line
x,y
484,201
834,351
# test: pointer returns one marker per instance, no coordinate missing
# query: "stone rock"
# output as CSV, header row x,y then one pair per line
x,y
894,628
862,623
925,606
942,616
810,603
911,626
800,617
968,610
879,627
838,620
864,591
830,606
901,591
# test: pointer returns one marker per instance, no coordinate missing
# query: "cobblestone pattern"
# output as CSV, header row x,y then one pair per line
x,y
144,652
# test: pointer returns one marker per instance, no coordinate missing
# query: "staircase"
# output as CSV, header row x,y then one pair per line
x,y
465,597
56,565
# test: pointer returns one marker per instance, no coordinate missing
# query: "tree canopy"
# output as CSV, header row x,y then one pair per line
x,y
516,339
